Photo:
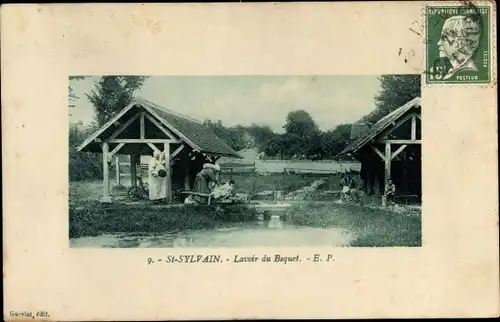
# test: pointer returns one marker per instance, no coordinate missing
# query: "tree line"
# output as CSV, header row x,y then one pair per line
x,y
302,139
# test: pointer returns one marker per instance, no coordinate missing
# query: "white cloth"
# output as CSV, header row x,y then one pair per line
x,y
157,185
216,167
222,191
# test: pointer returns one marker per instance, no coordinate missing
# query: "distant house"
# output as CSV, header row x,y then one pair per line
x,y
391,148
143,127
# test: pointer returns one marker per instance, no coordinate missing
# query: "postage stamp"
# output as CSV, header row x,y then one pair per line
x,y
458,44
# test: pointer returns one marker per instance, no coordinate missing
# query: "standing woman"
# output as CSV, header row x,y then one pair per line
x,y
157,178
209,174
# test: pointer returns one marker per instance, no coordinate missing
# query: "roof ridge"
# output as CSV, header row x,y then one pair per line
x,y
154,105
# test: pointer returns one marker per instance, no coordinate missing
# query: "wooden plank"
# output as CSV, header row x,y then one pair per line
x,y
133,170
177,151
398,151
117,170
123,127
173,129
168,168
143,126
387,162
152,146
142,141
105,167
116,149
105,126
168,133
414,128
397,125
378,152
395,141
186,177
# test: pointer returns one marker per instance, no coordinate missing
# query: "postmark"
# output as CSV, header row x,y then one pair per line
x,y
458,44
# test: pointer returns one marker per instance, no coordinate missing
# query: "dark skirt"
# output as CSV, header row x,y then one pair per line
x,y
200,186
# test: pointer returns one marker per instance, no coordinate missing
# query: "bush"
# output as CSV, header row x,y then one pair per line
x,y
82,165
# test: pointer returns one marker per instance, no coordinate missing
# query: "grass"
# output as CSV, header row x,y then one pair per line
x,y
253,182
372,227
93,218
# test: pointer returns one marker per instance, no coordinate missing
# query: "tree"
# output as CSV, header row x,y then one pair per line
x,y
71,95
301,138
113,93
396,90
300,123
334,141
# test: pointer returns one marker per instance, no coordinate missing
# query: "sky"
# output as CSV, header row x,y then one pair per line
x,y
265,100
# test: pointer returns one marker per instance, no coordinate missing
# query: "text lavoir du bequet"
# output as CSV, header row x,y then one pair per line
x,y
210,258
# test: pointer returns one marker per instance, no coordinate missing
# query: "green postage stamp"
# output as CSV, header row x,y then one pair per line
x,y
458,44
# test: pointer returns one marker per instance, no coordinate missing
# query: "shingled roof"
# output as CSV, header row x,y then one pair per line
x,y
381,125
191,131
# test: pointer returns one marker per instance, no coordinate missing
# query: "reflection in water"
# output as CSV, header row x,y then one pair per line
x,y
271,232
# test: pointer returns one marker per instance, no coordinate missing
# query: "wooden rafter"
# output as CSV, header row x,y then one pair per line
x,y
143,126
116,149
143,141
398,124
123,127
414,127
380,154
161,127
398,151
177,151
395,141
152,146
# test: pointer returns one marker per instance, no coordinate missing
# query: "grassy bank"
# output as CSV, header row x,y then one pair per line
x,y
94,218
371,227
253,182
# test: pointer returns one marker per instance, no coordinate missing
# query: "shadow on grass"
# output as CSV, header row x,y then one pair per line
x,y
372,227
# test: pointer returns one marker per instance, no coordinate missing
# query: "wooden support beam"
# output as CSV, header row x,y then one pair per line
x,y
123,127
143,126
395,141
398,124
177,151
133,169
398,151
187,185
161,127
387,162
143,141
116,149
117,170
105,167
378,152
152,146
414,127
166,151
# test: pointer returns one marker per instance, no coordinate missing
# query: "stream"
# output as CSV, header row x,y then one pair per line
x,y
265,233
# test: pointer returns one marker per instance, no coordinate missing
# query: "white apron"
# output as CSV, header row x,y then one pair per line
x,y
157,185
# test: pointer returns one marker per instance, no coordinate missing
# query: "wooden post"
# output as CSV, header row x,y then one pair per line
x,y
117,170
105,168
166,151
142,126
414,127
187,185
133,170
387,162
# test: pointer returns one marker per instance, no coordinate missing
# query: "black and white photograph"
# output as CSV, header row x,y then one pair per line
x,y
245,161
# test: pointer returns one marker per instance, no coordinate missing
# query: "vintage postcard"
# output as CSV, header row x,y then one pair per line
x,y
263,160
